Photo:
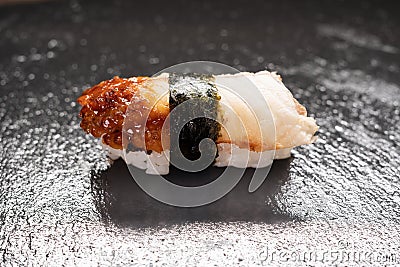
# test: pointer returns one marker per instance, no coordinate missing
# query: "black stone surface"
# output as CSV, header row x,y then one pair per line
x,y
334,202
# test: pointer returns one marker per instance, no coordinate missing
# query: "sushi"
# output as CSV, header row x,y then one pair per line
x,y
247,133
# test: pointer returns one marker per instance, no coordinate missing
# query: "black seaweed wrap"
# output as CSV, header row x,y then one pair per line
x,y
202,89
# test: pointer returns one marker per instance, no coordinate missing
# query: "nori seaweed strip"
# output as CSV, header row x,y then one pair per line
x,y
202,88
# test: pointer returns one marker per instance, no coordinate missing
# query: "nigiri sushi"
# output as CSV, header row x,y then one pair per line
x,y
238,123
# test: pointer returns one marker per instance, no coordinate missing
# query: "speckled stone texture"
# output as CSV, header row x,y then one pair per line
x,y
334,202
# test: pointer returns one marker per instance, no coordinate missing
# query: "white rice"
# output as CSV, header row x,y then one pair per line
x,y
228,155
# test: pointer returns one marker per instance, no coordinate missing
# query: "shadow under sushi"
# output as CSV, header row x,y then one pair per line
x,y
121,201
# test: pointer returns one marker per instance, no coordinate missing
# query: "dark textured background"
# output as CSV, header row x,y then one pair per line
x,y
61,202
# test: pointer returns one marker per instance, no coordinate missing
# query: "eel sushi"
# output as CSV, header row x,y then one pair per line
x,y
244,135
